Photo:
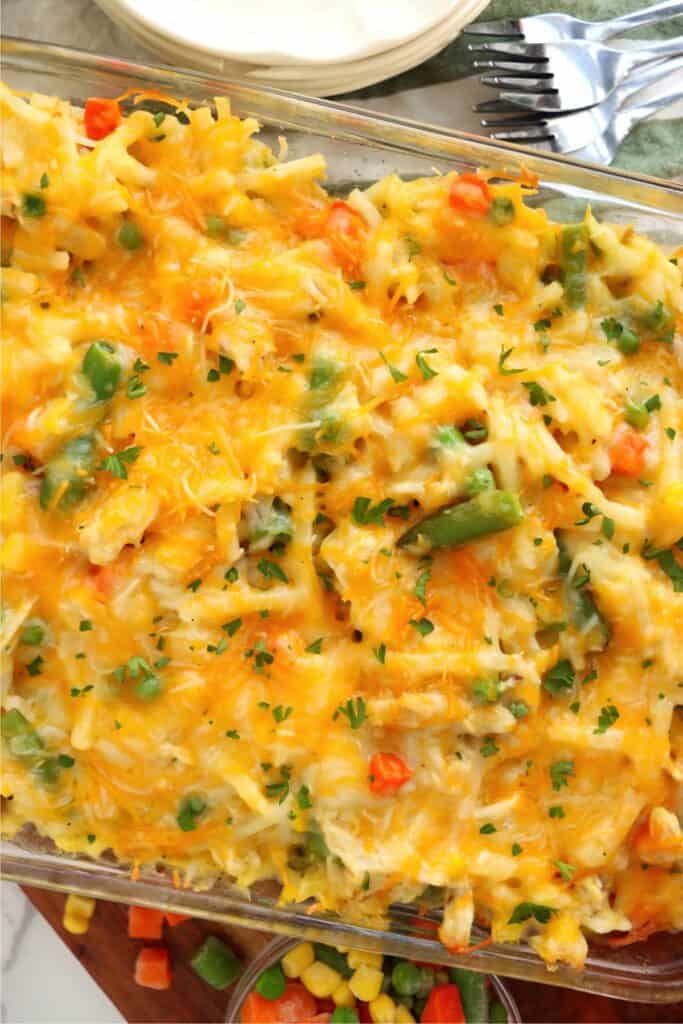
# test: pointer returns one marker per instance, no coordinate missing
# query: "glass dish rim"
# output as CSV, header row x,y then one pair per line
x,y
662,982
278,947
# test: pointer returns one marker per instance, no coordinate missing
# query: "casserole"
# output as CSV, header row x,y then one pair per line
x,y
413,161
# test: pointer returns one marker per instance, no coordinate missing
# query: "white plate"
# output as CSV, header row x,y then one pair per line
x,y
314,81
310,32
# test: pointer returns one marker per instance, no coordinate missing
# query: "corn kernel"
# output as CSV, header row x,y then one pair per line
x,y
366,983
403,1015
320,980
77,913
383,1009
298,959
343,996
359,958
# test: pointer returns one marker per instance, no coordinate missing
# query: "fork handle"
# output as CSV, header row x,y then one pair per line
x,y
598,31
650,73
630,116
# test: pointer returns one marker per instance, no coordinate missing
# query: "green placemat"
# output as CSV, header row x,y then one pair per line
x,y
653,147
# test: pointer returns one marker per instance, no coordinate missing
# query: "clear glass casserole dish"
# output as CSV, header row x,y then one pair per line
x,y
359,148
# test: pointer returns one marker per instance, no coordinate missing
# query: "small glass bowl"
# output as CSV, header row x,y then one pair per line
x,y
275,950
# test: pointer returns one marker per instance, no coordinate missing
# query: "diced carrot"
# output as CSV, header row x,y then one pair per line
x,y
145,923
294,1006
104,579
153,968
469,194
174,919
443,1006
345,232
388,772
101,117
627,453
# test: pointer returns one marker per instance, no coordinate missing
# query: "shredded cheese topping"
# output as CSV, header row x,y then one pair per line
x,y
341,540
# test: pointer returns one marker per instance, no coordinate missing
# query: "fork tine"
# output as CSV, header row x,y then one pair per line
x,y
540,70
515,119
524,51
522,135
501,27
522,85
500,106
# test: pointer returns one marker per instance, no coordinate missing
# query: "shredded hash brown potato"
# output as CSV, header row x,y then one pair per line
x,y
343,540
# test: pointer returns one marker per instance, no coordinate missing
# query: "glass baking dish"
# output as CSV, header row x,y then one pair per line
x,y
359,148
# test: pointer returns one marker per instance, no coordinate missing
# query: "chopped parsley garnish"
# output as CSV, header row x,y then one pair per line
x,y
396,374
32,635
239,306
195,585
566,870
506,371
518,708
627,341
525,911
136,388
488,829
557,811
423,626
422,364
282,713
489,747
354,711
303,798
414,247
607,717
84,626
280,790
191,808
380,653
116,463
487,689
356,286
560,772
537,394
167,357
515,849
364,513
35,667
315,647
33,205
232,575
420,589
271,570
44,180
560,677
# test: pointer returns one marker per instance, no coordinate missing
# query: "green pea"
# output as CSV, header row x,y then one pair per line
x,y
32,634
148,688
502,211
628,342
32,205
405,978
102,368
637,414
344,1015
129,236
271,983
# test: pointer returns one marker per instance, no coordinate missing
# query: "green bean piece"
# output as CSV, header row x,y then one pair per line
x,y
502,211
66,475
584,612
22,738
574,263
487,513
498,1014
216,963
637,414
103,369
472,986
481,479
271,983
333,958
405,978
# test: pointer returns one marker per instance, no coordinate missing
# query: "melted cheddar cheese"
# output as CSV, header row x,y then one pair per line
x,y
226,400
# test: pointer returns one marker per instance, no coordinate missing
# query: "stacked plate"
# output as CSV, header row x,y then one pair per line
x,y
319,47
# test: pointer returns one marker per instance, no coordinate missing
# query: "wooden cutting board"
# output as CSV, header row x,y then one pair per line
x,y
109,955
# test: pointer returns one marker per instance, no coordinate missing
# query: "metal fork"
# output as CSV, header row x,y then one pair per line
x,y
571,132
558,28
552,77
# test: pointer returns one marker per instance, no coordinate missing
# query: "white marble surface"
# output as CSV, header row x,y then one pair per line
x,y
41,979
